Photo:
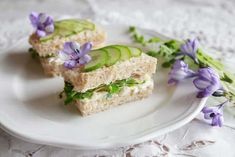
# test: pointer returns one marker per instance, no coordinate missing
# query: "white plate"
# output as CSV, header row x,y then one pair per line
x,y
31,110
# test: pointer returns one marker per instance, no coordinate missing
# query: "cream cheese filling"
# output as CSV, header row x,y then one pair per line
x,y
125,91
56,60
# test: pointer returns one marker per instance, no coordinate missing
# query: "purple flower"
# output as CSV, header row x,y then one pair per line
x,y
190,48
179,72
207,82
42,23
215,114
74,55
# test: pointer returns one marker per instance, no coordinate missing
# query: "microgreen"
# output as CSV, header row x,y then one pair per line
x,y
186,60
35,55
112,88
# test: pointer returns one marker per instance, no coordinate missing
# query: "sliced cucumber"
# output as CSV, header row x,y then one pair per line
x,y
65,28
135,52
114,55
125,52
98,59
87,24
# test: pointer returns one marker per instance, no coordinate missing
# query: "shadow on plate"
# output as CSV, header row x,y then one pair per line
x,y
51,107
21,61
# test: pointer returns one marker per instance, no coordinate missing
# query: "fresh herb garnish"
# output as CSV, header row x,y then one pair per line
x,y
138,38
187,60
35,55
169,52
112,88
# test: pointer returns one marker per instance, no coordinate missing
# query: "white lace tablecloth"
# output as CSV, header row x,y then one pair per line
x,y
212,21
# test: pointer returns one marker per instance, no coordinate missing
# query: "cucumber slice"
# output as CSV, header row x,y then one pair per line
x,y
125,52
114,55
65,28
135,52
87,24
98,59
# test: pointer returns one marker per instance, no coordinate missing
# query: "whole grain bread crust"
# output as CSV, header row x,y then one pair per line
x,y
136,66
97,37
88,108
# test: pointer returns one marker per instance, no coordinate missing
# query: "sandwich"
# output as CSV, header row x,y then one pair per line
x,y
103,78
49,37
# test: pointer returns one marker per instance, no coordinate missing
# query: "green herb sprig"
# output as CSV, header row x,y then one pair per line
x,y
169,50
112,88
35,55
138,38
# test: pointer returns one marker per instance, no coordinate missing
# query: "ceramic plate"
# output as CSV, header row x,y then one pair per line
x,y
31,110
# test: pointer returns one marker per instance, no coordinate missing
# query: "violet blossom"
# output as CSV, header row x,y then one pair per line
x,y
42,23
179,72
207,82
73,54
190,48
215,114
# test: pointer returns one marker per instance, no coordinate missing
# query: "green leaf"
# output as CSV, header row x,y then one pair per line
x,y
206,60
166,64
132,29
227,78
173,44
112,88
153,53
191,63
33,53
138,38
154,40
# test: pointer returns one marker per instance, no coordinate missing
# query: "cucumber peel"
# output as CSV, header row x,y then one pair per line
x,y
114,55
135,52
125,52
98,59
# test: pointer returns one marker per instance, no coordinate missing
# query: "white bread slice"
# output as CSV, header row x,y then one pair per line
x,y
101,102
51,68
97,37
135,66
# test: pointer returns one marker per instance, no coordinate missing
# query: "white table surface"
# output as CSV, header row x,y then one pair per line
x,y
212,21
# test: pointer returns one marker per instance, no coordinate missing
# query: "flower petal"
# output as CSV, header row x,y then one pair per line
x,y
201,84
207,110
70,64
195,45
172,81
63,56
49,28
207,73
40,33
75,46
85,48
180,71
42,17
49,21
215,121
203,94
207,116
189,48
84,59
33,19
68,48
220,121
